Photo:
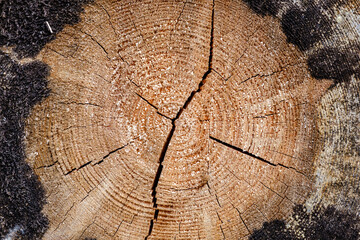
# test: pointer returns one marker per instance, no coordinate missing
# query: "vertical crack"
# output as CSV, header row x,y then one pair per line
x,y
222,231
171,133
242,220
178,19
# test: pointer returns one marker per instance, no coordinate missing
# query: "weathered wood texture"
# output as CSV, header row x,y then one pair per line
x,y
173,120
337,164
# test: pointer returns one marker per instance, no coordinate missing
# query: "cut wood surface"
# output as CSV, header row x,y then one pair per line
x,y
173,120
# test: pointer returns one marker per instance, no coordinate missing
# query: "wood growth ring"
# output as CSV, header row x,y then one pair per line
x,y
173,120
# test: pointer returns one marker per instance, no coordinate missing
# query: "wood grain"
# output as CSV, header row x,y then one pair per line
x,y
173,120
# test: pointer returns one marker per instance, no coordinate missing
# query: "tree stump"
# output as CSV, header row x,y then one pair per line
x,y
173,120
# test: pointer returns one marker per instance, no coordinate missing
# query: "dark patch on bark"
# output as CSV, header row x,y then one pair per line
x,y
335,64
265,7
304,28
323,223
21,195
273,230
26,24
327,223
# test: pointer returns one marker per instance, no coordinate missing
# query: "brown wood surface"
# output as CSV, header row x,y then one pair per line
x,y
208,92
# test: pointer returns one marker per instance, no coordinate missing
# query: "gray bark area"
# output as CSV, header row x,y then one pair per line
x,y
338,163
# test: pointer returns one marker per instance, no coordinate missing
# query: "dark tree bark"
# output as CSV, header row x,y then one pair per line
x,y
197,119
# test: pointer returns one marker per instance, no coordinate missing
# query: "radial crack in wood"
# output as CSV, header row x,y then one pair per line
x,y
172,120
187,102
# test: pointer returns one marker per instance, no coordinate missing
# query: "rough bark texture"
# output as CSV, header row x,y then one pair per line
x,y
337,165
23,83
29,25
21,196
187,120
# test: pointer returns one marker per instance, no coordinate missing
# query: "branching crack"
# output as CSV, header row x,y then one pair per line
x,y
171,133
248,39
133,83
276,193
218,73
284,154
242,151
87,163
111,152
178,19
79,103
153,106
92,38
102,77
254,156
113,28
53,50
65,216
109,18
47,166
282,68
292,168
242,220
217,200
222,231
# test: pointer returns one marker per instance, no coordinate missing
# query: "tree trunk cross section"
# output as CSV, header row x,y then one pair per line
x,y
173,120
